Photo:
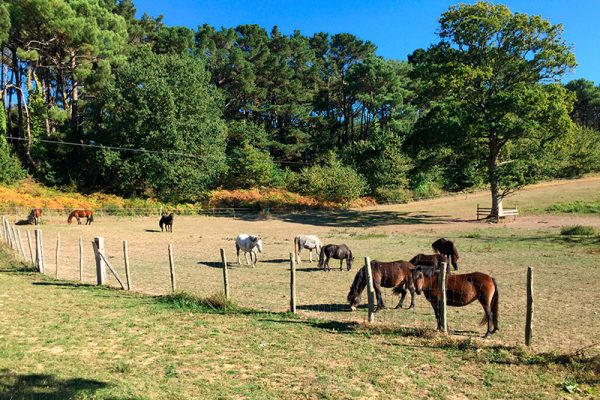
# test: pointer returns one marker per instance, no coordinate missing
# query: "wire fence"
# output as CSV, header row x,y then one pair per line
x,y
271,286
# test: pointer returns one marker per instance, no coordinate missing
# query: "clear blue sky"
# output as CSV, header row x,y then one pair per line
x,y
397,27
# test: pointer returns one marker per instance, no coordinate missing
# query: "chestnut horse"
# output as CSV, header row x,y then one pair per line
x,y
35,216
394,274
88,214
461,290
447,248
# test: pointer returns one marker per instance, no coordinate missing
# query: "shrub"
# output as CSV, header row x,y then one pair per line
x,y
332,182
392,194
10,167
425,186
251,167
578,230
577,207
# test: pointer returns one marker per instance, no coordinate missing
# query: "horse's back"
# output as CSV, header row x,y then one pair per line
x,y
391,273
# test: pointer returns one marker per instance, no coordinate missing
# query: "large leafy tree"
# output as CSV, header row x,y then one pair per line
x,y
489,92
165,105
586,111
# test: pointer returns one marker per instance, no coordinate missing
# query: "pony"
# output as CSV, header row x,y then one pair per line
x,y
339,252
447,248
461,290
310,242
35,216
88,214
167,222
394,274
248,244
430,260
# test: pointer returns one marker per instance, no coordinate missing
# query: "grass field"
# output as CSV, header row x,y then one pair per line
x,y
139,347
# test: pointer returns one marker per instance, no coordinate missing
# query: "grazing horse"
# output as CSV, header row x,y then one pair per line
x,y
447,248
248,244
35,216
88,214
394,274
339,252
310,242
461,290
167,222
430,260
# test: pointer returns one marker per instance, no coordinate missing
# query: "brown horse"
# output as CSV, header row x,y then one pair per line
x,y
88,214
461,290
430,260
394,274
447,248
35,216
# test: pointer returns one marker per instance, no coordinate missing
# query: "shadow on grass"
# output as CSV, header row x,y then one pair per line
x,y
152,230
43,386
213,264
331,307
355,218
337,326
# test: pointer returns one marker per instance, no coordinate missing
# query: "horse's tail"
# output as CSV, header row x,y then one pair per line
x,y
321,258
160,223
494,306
91,216
70,219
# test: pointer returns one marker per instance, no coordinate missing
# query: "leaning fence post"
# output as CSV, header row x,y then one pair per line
x,y
126,258
98,245
39,250
370,290
293,281
20,243
172,267
57,252
80,259
443,311
225,273
30,248
529,315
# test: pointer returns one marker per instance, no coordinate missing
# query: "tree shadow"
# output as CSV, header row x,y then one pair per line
x,y
44,386
276,261
355,218
213,264
309,269
330,307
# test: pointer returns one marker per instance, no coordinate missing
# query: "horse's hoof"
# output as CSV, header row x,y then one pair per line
x,y
352,308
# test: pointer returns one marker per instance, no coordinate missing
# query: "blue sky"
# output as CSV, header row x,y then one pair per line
x,y
397,27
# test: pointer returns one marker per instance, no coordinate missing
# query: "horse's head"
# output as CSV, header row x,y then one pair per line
x,y
259,244
418,278
349,262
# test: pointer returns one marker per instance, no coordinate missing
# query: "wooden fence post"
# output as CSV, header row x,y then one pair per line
x,y
529,315
370,290
293,281
126,258
2,231
443,311
30,248
20,243
98,245
80,259
39,251
225,273
57,253
296,250
9,234
172,268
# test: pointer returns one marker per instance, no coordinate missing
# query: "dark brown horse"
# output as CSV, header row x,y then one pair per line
x,y
35,216
339,252
88,214
447,248
167,221
461,290
394,274
430,260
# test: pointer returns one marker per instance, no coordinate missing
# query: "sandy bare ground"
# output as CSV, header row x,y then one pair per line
x,y
565,272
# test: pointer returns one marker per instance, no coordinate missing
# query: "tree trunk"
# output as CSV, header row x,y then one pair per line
x,y
493,178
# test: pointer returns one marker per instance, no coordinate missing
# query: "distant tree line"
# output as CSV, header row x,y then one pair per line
x,y
172,112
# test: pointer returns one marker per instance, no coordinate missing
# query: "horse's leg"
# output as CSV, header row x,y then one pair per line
x,y
341,263
237,249
299,250
380,304
486,304
253,258
436,309
412,297
78,221
402,291
327,267
310,255
246,257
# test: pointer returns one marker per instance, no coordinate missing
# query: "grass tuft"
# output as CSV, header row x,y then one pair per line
x,y
216,302
578,230
575,207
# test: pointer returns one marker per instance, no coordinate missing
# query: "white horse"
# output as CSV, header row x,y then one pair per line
x,y
248,244
310,242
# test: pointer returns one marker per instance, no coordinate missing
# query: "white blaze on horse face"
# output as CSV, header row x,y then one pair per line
x,y
259,245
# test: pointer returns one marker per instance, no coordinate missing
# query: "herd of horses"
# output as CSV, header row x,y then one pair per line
x,y
418,275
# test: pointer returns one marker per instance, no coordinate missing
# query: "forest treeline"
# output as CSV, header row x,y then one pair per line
x,y
98,99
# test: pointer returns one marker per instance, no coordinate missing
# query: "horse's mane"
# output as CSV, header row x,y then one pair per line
x,y
359,279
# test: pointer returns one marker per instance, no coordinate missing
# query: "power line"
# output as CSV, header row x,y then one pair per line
x,y
136,150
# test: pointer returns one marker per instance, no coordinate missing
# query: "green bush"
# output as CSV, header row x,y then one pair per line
x,y
332,181
392,194
251,167
578,230
425,186
10,167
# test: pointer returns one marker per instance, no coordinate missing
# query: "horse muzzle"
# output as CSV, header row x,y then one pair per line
x,y
352,308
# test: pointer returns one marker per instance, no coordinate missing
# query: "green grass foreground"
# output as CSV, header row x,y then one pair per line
x,y
64,340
